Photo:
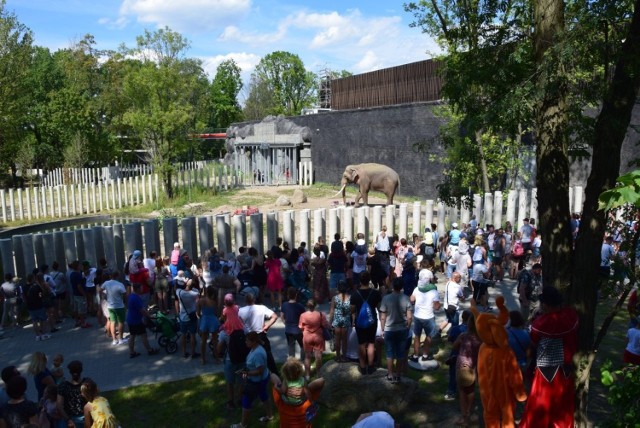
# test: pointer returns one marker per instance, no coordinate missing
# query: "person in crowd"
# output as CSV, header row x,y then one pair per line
x,y
526,230
257,375
536,246
467,345
529,289
116,293
480,284
442,253
395,321
517,256
519,340
499,249
225,283
401,248
57,371
135,320
187,303
60,288
366,334
209,324
77,281
607,254
259,319
97,411
452,336
7,373
426,300
453,295
312,323
632,349
90,274
349,248
162,287
175,256
376,272
454,235
41,375
48,301
10,293
258,270
69,396
382,247
340,320
375,420
50,409
337,265
554,334
319,279
462,261
275,284
291,311
409,274
37,293
293,395
19,411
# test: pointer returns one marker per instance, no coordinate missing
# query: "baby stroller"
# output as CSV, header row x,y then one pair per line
x,y
167,329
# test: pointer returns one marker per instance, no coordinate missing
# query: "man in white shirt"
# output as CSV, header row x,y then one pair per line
x,y
426,300
382,248
188,299
259,318
525,231
115,291
452,296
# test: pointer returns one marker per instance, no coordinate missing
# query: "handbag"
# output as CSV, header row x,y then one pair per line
x,y
327,334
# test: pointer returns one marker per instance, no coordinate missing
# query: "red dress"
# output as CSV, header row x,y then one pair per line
x,y
274,278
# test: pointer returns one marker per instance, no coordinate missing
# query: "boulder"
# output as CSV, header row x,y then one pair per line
x,y
346,389
298,197
283,201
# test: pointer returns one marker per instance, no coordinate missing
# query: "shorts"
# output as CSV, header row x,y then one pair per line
x,y
137,329
190,326
253,390
497,260
117,315
426,325
161,285
209,324
80,304
335,278
395,343
230,370
367,335
38,315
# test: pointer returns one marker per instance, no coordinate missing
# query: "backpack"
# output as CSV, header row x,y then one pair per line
x,y
214,264
428,237
365,316
518,249
238,350
428,251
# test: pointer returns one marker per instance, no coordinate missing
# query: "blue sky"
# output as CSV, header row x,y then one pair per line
x,y
355,36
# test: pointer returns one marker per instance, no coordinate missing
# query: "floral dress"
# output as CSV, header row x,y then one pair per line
x,y
341,312
102,415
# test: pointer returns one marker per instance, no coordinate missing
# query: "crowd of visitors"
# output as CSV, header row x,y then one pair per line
x,y
381,294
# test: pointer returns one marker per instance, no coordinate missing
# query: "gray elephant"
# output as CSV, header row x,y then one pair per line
x,y
370,176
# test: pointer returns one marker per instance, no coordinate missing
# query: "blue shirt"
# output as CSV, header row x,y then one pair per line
x,y
454,237
257,358
519,341
292,312
134,314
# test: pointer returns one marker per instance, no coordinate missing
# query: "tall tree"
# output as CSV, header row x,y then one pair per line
x,y
225,88
15,58
285,75
165,93
261,100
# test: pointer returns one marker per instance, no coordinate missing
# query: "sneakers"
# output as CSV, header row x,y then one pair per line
x,y
115,343
414,358
449,396
123,341
426,357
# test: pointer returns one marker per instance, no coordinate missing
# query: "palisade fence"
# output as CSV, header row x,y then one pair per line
x,y
196,234
72,192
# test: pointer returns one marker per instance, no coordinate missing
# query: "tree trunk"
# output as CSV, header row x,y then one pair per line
x,y
483,163
610,130
552,178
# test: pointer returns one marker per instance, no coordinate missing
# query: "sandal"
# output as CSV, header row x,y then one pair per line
x,y
266,419
135,354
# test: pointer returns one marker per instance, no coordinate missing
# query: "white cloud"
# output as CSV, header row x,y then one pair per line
x,y
192,15
246,61
232,33
369,62
118,23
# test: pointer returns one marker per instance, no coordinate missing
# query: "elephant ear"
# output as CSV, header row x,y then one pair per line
x,y
354,175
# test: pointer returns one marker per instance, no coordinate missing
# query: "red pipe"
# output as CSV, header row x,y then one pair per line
x,y
218,135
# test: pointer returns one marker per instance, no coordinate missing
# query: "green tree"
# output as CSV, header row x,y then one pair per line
x,y
166,92
225,88
261,100
292,85
15,58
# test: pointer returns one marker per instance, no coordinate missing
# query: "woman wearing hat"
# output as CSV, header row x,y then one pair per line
x,y
256,376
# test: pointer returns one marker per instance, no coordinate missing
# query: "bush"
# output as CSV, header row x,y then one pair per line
x,y
624,394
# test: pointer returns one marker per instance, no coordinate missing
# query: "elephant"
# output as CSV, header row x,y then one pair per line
x,y
370,176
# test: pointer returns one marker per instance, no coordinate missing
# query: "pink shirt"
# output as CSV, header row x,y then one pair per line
x,y
232,320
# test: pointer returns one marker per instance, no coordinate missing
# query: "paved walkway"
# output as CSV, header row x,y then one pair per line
x,y
111,367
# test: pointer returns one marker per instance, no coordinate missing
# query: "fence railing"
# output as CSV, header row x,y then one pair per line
x,y
23,252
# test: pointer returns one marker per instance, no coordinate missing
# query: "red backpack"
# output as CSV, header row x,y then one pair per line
x,y
518,249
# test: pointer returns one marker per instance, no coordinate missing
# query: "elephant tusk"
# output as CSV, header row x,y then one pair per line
x,y
339,191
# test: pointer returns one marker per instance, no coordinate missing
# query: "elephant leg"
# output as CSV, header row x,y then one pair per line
x,y
357,200
365,198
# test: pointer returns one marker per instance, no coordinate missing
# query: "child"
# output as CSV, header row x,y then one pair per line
x,y
51,415
57,371
97,412
175,254
293,389
230,322
180,280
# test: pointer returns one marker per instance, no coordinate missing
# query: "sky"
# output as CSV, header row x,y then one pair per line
x,y
357,36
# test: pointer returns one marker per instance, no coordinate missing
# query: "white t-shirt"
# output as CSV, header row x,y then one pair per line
x,y
452,294
359,262
90,278
382,242
115,290
462,262
149,264
254,317
479,269
424,303
187,301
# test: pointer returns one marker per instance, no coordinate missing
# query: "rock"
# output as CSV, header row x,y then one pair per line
x,y
346,389
283,201
298,197
424,366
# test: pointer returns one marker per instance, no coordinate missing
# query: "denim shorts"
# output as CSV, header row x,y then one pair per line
x,y
395,343
428,326
335,278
